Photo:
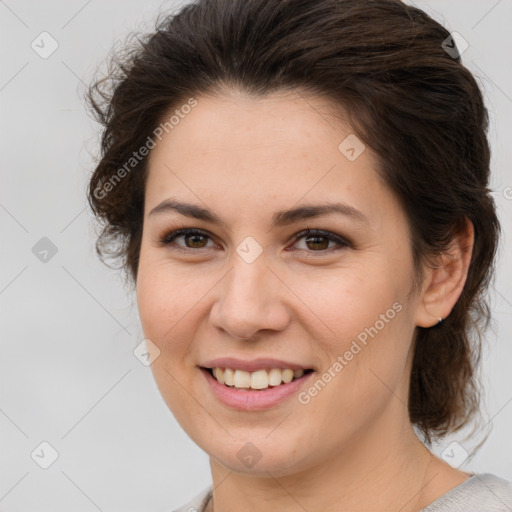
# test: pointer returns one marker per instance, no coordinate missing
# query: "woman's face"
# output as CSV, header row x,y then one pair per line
x,y
244,287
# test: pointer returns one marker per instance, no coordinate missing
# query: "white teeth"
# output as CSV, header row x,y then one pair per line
x,y
287,375
219,374
274,377
260,379
229,377
242,379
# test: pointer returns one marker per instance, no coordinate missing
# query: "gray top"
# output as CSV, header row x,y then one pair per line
x,y
480,493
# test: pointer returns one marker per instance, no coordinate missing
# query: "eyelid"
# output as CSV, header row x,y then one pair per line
x,y
341,241
170,236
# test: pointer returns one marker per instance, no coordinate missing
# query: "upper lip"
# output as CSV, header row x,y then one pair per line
x,y
252,365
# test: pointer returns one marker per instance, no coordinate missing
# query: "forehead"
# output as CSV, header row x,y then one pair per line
x,y
241,124
270,151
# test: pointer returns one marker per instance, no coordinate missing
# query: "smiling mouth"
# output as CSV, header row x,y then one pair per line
x,y
259,380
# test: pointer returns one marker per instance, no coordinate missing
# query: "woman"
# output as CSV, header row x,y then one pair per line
x,y
298,190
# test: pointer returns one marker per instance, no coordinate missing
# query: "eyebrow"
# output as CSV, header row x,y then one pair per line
x,y
280,218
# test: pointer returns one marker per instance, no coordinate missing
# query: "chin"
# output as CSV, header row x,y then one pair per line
x,y
258,457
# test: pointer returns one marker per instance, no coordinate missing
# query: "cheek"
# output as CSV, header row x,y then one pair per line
x,y
153,304
163,314
161,304
163,295
172,306
350,302
372,332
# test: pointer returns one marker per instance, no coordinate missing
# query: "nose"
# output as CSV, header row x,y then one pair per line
x,y
251,299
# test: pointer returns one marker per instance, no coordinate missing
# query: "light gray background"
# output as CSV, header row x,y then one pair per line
x,y
67,372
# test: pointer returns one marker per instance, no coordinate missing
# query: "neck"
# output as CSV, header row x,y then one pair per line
x,y
387,469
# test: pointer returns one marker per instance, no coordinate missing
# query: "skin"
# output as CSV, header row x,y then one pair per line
x,y
352,447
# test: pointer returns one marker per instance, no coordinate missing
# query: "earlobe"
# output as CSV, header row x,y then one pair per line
x,y
445,281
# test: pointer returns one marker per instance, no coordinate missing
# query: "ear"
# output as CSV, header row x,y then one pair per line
x,y
444,283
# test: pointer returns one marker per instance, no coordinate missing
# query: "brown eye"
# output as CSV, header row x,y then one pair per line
x,y
318,241
193,239
315,240
196,240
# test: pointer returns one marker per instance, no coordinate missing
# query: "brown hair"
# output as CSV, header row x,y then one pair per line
x,y
415,105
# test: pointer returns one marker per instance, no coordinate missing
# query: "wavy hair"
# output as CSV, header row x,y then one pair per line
x,y
385,64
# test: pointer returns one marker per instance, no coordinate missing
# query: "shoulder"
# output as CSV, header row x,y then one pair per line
x,y
197,504
480,492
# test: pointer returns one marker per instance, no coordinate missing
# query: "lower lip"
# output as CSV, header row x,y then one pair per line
x,y
253,400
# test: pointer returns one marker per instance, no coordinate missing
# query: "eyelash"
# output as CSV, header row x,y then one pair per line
x,y
169,238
